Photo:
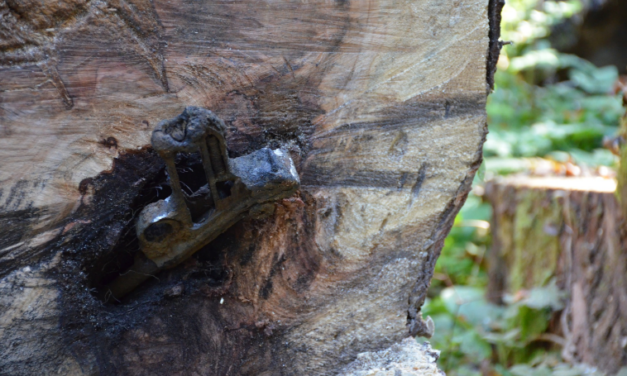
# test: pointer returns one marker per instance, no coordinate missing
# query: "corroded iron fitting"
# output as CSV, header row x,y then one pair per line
x,y
173,229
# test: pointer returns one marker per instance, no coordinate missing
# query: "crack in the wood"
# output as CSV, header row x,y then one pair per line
x,y
415,190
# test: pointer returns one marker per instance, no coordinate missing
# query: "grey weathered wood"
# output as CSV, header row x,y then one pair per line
x,y
381,104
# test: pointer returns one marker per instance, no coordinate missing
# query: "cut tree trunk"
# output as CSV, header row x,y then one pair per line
x,y
570,229
380,104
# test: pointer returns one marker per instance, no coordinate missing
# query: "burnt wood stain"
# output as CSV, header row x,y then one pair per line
x,y
15,226
103,243
90,251
103,333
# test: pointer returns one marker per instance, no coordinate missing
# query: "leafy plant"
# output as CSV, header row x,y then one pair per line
x,y
546,106
533,114
472,330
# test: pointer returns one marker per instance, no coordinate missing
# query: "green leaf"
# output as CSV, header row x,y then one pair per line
x,y
543,59
467,371
469,304
522,370
506,165
549,296
473,346
599,80
567,370
532,322
508,338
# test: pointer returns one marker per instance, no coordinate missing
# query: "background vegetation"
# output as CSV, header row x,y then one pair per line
x,y
549,114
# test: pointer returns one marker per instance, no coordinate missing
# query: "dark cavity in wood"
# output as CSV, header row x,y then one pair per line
x,y
207,196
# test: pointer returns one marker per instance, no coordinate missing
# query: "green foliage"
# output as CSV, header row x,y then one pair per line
x,y
465,246
471,331
546,104
532,115
527,120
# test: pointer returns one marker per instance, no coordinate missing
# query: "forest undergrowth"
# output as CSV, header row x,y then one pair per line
x,y
549,114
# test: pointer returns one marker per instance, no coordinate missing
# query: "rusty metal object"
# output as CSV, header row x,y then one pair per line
x,y
171,230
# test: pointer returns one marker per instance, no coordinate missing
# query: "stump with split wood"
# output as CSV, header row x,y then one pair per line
x,y
570,229
377,107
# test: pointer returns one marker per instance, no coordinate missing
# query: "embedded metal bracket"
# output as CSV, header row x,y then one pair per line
x,y
173,229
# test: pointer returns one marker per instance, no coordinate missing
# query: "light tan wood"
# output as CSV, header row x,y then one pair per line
x,y
381,104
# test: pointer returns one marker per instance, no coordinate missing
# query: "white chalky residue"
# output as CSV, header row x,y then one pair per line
x,y
408,358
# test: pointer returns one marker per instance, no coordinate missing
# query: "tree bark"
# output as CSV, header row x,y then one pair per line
x,y
619,147
571,229
381,106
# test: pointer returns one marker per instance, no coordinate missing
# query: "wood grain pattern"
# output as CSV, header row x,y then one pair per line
x,y
380,103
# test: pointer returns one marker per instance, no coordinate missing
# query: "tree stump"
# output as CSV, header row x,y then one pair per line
x,y
571,229
380,104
